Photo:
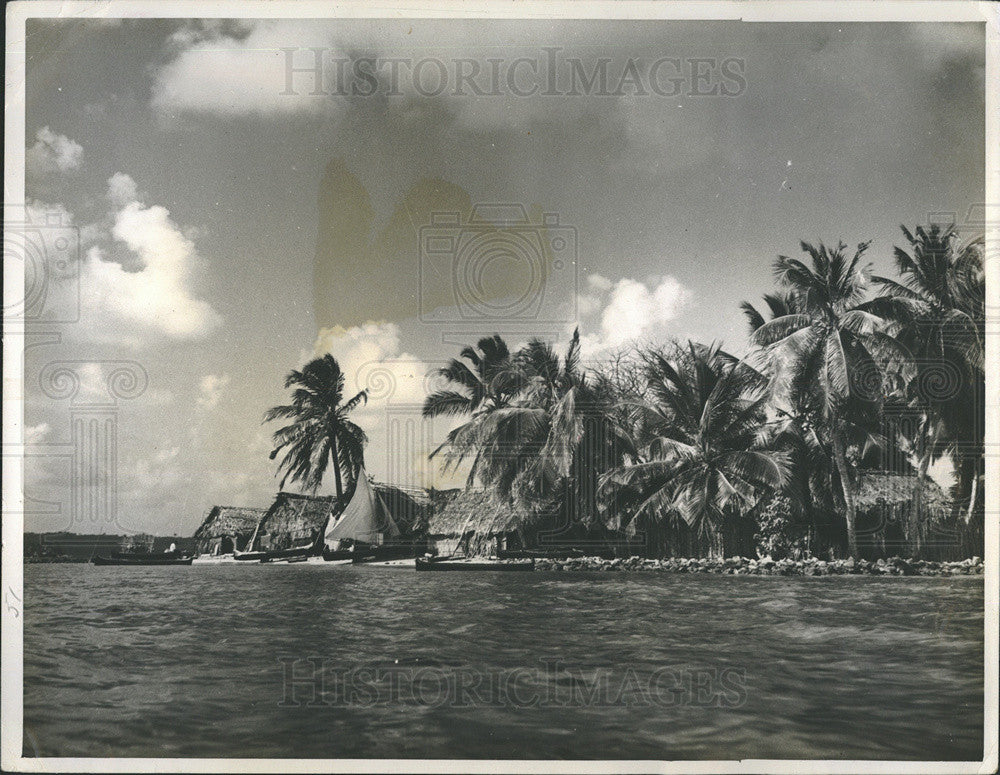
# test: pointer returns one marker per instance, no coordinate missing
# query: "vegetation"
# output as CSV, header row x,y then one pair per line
x,y
851,387
321,432
840,384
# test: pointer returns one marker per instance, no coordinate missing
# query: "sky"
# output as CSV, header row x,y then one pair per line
x,y
227,218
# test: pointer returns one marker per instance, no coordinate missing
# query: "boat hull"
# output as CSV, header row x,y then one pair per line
x,y
295,554
142,560
338,555
473,565
249,556
553,554
384,554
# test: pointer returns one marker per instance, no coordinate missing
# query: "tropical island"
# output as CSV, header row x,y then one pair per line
x,y
810,454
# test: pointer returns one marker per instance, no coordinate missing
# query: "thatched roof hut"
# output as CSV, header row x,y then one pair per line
x,y
410,507
294,520
226,527
477,516
886,511
472,511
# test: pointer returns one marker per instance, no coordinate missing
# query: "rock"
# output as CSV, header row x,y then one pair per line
x,y
903,567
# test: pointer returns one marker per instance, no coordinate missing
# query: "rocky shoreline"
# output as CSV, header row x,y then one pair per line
x,y
743,566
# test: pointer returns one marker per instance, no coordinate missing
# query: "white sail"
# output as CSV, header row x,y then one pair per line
x,y
365,518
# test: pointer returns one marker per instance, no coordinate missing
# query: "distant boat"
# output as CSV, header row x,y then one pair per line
x,y
472,563
143,559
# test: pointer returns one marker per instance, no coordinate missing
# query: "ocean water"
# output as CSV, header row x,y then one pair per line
x,y
345,662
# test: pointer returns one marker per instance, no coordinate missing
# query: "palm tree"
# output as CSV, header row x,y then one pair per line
x,y
547,443
780,304
818,348
483,386
321,431
939,313
488,385
703,460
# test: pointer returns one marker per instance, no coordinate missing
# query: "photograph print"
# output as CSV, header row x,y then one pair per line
x,y
480,389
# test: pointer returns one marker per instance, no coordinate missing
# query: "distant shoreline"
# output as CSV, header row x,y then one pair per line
x,y
731,566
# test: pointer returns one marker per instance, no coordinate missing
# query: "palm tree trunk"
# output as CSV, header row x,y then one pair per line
x,y
336,466
845,486
973,491
925,450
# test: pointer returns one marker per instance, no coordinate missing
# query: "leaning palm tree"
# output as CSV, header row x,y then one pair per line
x,y
559,437
817,350
547,444
321,432
704,460
477,390
938,309
483,386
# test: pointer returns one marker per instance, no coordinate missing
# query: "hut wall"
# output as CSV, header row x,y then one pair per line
x,y
443,544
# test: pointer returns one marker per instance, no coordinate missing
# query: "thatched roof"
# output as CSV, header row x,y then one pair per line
x,y
294,518
477,511
229,521
878,489
410,507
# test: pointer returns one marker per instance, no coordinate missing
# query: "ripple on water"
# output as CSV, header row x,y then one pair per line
x,y
185,662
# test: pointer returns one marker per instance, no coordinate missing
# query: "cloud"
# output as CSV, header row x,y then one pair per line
x,y
160,471
52,153
371,358
135,276
628,310
122,190
158,296
239,71
210,390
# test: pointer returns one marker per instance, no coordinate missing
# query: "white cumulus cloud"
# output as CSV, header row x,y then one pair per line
x,y
372,358
159,296
628,310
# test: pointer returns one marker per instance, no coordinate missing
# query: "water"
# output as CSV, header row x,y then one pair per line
x,y
187,662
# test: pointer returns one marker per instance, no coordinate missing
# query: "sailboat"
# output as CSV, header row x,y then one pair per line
x,y
367,524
